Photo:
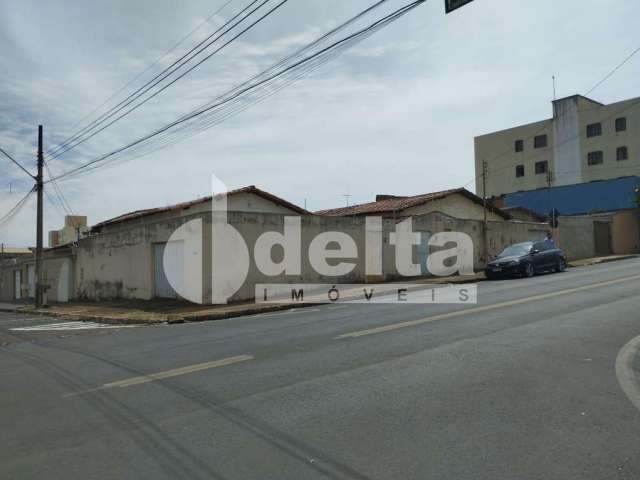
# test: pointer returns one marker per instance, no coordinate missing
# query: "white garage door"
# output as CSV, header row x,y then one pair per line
x,y
31,277
168,262
17,284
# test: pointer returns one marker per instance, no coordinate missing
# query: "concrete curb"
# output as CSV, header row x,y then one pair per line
x,y
255,309
597,261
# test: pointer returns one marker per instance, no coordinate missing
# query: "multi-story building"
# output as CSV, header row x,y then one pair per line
x,y
75,228
584,141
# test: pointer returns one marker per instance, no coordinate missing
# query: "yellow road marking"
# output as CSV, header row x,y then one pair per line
x,y
153,377
486,308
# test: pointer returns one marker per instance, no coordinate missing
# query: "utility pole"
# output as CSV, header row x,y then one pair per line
x,y
485,171
39,189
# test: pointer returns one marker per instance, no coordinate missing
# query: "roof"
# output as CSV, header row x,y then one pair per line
x,y
16,250
388,204
582,198
186,205
577,95
536,216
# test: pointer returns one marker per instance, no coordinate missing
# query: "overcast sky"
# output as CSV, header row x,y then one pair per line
x,y
397,114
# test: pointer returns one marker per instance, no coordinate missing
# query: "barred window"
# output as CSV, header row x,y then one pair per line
x,y
594,130
540,141
622,154
595,158
542,167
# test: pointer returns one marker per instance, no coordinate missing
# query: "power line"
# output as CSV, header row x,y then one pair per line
x,y
16,162
54,203
613,72
17,207
230,97
543,128
142,73
84,134
61,198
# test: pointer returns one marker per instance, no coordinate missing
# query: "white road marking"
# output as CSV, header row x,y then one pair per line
x,y
628,376
68,326
153,377
486,308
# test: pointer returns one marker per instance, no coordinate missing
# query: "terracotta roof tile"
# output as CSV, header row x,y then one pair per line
x,y
398,204
184,205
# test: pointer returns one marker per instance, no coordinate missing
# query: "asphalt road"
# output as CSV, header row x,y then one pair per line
x,y
540,380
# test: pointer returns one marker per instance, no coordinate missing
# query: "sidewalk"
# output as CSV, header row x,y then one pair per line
x,y
160,311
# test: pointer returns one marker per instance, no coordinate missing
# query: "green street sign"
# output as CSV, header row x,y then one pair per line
x,y
451,5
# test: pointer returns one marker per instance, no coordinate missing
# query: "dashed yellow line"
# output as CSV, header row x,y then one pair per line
x,y
486,308
153,377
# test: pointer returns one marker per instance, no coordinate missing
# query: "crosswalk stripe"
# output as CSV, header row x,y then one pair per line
x,y
69,326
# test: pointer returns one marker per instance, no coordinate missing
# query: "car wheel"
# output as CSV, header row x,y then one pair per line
x,y
529,271
561,266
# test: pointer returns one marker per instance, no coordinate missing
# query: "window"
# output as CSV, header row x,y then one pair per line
x,y
540,141
595,158
621,124
519,145
622,154
594,130
542,167
519,171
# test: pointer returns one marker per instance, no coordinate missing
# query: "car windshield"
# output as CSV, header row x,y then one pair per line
x,y
516,250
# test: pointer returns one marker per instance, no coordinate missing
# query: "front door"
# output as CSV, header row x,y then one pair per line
x,y
602,233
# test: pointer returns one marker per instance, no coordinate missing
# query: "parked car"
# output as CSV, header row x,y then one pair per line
x,y
526,259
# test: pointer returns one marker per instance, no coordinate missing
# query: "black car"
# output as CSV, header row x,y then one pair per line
x,y
526,259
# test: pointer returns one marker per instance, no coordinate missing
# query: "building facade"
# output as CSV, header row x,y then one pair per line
x,y
75,228
124,258
584,141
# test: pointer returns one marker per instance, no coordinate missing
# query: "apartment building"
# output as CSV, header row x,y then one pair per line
x,y
584,141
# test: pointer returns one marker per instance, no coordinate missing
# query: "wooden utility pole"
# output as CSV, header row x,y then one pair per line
x,y
485,171
39,190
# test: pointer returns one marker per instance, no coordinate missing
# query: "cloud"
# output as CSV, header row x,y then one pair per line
x,y
396,114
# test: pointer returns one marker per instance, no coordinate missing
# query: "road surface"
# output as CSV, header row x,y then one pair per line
x,y
540,380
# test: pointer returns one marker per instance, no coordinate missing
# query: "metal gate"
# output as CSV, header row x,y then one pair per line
x,y
17,284
171,256
602,234
31,280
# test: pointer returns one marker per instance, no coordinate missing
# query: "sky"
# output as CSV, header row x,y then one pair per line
x,y
396,114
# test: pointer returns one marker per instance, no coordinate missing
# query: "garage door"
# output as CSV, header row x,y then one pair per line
x,y
31,277
17,285
168,262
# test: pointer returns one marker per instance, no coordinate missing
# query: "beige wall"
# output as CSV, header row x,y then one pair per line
x,y
568,147
498,150
118,264
625,232
610,140
576,237
457,206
